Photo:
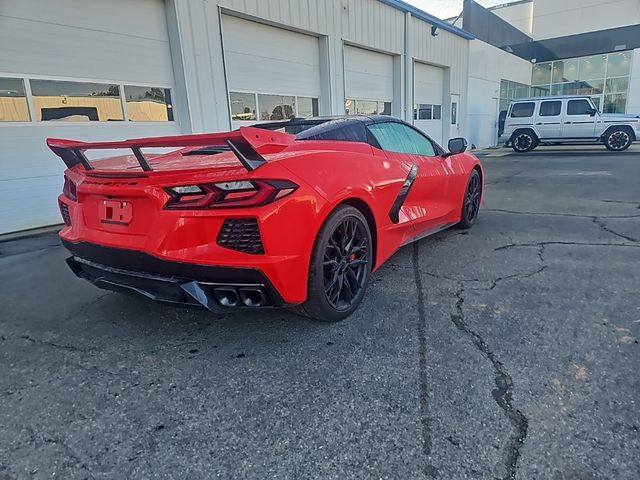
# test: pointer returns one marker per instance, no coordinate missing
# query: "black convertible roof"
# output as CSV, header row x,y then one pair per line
x,y
345,128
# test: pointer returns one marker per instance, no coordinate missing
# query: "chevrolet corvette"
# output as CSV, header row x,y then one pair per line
x,y
295,213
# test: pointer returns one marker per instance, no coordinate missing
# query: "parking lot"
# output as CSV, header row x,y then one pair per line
x,y
506,351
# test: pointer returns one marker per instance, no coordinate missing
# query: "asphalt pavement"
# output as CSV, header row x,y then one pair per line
x,y
506,351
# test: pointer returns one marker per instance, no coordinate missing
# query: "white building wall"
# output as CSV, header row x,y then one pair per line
x,y
554,18
633,101
520,15
487,66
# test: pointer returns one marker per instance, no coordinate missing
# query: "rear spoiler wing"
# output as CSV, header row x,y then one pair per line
x,y
246,143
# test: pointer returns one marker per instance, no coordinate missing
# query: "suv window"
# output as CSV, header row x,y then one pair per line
x,y
550,109
521,110
578,107
397,137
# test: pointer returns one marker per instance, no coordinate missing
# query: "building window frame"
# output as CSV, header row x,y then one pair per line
x,y
26,78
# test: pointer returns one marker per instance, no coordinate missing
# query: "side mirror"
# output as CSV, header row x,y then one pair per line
x,y
457,145
592,112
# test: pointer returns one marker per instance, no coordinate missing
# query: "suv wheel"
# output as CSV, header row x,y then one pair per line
x,y
617,139
524,141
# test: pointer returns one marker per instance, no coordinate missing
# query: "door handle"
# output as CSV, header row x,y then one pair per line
x,y
539,123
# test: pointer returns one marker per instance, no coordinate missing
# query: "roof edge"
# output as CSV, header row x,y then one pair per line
x,y
426,17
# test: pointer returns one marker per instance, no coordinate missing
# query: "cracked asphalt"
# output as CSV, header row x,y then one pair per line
x,y
506,352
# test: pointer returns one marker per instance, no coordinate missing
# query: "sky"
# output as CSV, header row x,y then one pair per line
x,y
448,8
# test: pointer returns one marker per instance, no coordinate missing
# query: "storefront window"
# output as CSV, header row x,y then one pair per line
x,y
604,77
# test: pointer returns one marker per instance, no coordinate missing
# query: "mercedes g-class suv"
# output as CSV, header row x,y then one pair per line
x,y
566,120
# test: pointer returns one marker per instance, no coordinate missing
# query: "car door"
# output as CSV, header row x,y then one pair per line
x,y
579,120
426,203
549,119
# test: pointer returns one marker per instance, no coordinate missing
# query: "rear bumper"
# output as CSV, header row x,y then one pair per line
x,y
213,287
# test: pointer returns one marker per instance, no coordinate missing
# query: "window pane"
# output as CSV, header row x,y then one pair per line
x,y
76,101
504,88
454,113
550,109
619,64
592,67
13,101
616,103
590,87
243,106
396,137
541,74
578,107
349,106
437,112
307,107
366,107
596,102
384,108
276,107
565,71
522,110
617,85
424,111
148,104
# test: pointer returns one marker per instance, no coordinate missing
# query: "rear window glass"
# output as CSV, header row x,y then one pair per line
x,y
550,109
520,110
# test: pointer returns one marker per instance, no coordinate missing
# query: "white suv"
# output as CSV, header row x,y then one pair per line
x,y
566,119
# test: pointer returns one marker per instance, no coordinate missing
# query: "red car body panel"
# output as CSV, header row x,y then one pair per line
x,y
327,173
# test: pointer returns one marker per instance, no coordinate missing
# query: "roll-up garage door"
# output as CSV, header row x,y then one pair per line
x,y
273,73
428,94
368,81
78,60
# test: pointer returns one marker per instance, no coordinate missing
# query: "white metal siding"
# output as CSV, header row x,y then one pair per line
x,y
368,74
261,58
119,41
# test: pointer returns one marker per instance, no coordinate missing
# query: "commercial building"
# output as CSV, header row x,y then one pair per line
x,y
550,47
96,70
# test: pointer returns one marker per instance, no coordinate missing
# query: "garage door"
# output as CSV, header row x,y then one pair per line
x,y
368,81
273,73
428,94
78,59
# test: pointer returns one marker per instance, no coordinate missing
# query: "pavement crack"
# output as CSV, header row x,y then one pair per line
x,y
502,394
429,469
37,341
518,276
578,244
557,214
601,224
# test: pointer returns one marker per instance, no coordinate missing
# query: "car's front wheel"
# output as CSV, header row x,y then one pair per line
x,y
340,266
618,139
471,202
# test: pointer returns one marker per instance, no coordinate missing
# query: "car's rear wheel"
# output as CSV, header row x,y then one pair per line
x,y
340,266
524,141
471,202
618,139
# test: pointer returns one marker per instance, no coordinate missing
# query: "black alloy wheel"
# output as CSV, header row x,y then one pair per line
x,y
618,140
523,142
471,202
340,266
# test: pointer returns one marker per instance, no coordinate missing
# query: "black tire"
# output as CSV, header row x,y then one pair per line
x,y
618,139
524,141
471,201
340,266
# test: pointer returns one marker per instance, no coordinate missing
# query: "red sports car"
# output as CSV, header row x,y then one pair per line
x,y
280,214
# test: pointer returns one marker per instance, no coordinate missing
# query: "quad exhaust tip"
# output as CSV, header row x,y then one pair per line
x,y
240,296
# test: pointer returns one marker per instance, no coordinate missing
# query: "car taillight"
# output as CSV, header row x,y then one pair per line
x,y
69,189
243,193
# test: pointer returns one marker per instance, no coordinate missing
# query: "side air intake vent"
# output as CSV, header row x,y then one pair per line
x,y
64,210
241,234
